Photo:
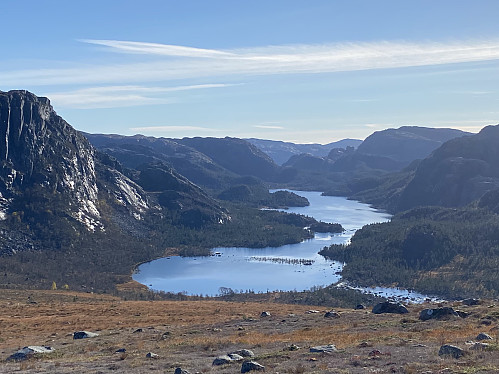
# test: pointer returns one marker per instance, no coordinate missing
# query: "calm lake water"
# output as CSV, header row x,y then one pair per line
x,y
266,269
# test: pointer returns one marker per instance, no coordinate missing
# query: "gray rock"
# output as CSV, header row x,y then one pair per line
x,y
265,314
222,360
323,349
84,335
152,355
28,352
389,307
484,336
244,353
450,350
332,314
235,357
437,313
251,365
181,371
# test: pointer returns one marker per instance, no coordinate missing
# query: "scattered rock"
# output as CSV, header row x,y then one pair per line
x,y
251,365
121,350
29,351
450,350
152,355
138,330
222,360
181,371
332,314
84,335
471,301
437,313
293,347
389,307
484,336
265,314
323,349
478,346
312,311
243,352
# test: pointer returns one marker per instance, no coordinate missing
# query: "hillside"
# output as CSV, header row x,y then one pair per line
x,y
191,334
460,171
407,143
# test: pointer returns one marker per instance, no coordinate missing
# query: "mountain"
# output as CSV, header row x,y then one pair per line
x,y
53,182
281,152
136,150
407,143
459,172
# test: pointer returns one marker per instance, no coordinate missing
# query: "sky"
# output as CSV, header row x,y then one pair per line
x,y
305,71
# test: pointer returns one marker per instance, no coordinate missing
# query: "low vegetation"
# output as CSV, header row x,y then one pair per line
x,y
453,253
190,334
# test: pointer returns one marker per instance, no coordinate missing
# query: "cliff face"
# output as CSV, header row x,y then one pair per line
x,y
54,183
39,149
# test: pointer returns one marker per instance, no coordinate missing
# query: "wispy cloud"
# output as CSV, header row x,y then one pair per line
x,y
174,62
157,49
273,127
119,96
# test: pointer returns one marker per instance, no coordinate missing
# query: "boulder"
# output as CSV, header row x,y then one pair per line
x,y
323,349
243,352
437,313
450,350
251,365
181,371
29,351
484,336
359,307
389,307
152,355
84,335
265,314
222,360
332,314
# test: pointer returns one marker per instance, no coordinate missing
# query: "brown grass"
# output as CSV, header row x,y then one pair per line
x,y
192,333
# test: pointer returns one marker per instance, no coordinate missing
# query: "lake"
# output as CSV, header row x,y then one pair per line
x,y
286,268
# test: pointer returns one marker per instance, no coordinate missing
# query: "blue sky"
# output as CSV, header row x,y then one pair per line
x,y
301,71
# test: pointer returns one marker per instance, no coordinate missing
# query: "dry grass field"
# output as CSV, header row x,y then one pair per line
x,y
190,334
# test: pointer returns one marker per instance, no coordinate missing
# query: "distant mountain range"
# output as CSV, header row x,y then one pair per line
x,y
281,152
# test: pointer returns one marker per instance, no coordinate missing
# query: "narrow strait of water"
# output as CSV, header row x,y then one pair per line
x,y
286,268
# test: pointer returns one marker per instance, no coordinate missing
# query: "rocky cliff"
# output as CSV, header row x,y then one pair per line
x,y
54,183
